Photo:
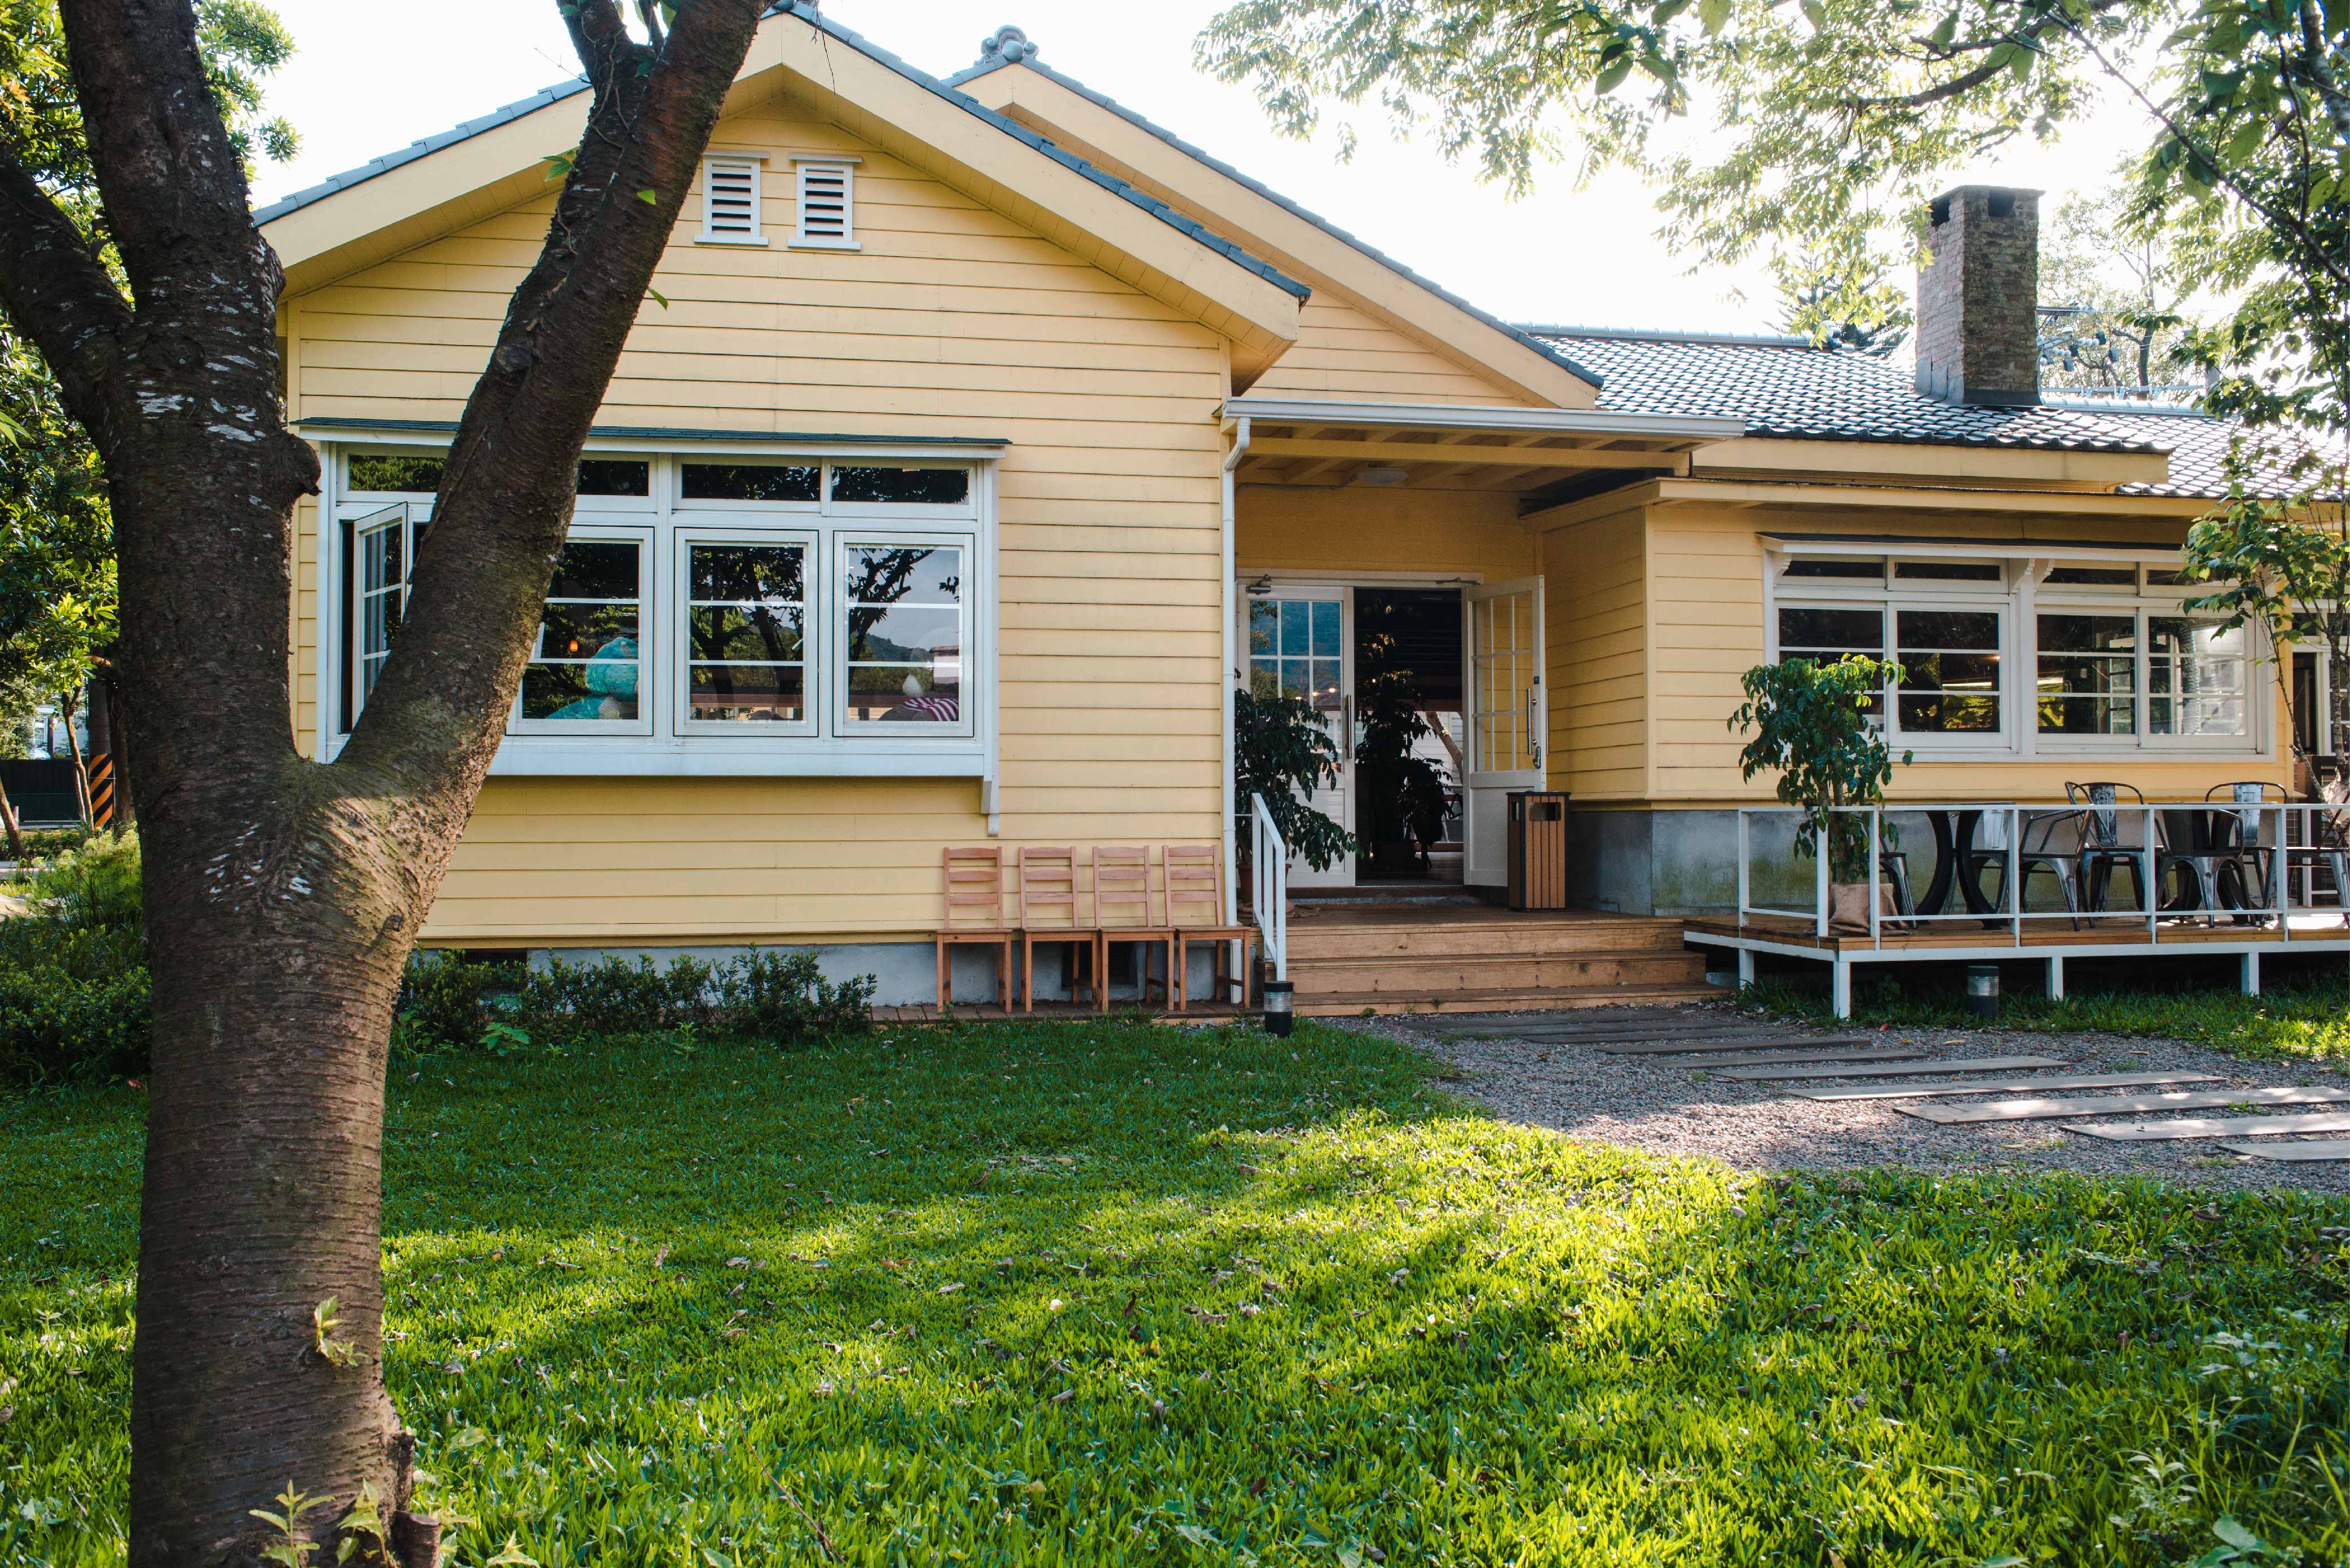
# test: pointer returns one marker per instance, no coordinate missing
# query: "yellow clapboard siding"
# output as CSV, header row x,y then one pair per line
x,y
1595,618
1344,353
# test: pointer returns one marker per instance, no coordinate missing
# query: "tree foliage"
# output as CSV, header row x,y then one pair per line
x,y
1811,727
2119,284
1282,751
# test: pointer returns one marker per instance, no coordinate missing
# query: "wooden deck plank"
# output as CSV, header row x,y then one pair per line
x,y
2219,1127
2121,1105
2331,1148
1954,1064
2011,1087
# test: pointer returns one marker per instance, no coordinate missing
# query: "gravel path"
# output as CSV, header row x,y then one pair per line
x,y
1652,1105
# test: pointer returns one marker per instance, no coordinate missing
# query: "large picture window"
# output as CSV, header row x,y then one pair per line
x,y
789,613
2017,654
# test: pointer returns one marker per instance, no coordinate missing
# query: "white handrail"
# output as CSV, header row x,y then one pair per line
x,y
1269,890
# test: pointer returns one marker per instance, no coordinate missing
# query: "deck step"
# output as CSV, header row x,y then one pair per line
x,y
1468,938
1522,998
1490,973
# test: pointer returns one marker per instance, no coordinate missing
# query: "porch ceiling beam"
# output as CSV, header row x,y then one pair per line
x,y
1515,457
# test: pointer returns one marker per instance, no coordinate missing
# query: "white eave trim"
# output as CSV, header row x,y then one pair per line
x,y
1485,416
1945,549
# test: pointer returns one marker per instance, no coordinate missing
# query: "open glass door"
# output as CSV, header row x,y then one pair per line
x,y
1507,721
1300,644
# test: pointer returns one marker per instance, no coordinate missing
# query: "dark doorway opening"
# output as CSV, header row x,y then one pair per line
x,y
1408,731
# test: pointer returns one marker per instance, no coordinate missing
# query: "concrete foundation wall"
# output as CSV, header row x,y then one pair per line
x,y
907,972
1641,861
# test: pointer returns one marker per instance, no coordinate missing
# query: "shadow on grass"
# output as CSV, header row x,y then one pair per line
x,y
1112,1293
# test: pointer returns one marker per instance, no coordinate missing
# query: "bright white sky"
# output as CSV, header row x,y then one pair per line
x,y
370,79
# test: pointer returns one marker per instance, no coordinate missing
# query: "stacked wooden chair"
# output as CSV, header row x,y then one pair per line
x,y
1183,911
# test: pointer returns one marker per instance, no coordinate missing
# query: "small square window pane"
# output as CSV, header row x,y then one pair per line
x,y
600,689
748,693
616,476
759,633
1948,713
1325,628
1326,683
904,694
1264,628
596,569
582,631
1854,630
396,473
1948,630
1295,635
763,572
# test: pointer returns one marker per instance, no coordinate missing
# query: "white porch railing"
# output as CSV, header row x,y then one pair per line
x,y
1269,885
2286,848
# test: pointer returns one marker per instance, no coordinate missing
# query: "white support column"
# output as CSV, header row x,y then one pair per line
x,y
1840,987
2250,967
2056,978
1745,967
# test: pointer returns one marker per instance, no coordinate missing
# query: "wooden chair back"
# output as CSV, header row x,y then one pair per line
x,y
1122,887
975,888
1048,888
1195,884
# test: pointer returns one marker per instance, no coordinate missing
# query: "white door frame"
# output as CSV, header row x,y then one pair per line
x,y
1485,788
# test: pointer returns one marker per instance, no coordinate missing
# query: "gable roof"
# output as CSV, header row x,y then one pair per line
x,y
562,107
1792,390
1026,60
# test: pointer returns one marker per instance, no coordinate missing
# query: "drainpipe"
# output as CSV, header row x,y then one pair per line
x,y
1232,668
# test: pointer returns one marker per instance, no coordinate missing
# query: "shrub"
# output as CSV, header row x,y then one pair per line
x,y
73,969
771,998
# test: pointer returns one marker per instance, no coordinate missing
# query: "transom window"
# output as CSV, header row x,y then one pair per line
x,y
718,601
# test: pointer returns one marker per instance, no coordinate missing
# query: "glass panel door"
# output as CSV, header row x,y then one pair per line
x,y
1300,645
1508,723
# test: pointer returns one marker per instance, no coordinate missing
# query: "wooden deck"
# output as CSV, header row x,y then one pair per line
x,y
1351,956
1989,936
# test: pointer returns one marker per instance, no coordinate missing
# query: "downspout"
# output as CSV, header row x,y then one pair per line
x,y
1232,673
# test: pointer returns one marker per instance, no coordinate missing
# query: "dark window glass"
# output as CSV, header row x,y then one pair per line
x,y
2095,577
595,569
750,481
1812,633
2164,579
1948,571
616,476
2088,674
1949,671
902,486
415,475
1866,571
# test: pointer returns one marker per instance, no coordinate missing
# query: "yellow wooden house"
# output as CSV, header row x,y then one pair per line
x,y
985,435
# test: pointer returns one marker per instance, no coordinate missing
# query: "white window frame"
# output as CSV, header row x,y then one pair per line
x,y
733,160
2025,596
967,749
806,165
364,518
837,607
1890,594
812,632
648,580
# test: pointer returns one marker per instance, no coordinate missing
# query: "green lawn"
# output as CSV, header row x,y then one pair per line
x,y
2303,1022
1116,1294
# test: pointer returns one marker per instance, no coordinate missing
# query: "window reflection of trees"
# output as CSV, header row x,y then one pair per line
x,y
880,578
763,586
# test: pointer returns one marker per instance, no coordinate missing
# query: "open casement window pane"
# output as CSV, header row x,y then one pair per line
x,y
903,606
2196,679
381,595
746,633
1294,649
1950,671
587,664
1502,660
2088,674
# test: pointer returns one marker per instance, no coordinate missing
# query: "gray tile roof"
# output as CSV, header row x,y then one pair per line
x,y
1786,388
815,18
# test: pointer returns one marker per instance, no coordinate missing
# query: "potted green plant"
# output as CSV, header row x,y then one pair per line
x,y
1811,726
1283,751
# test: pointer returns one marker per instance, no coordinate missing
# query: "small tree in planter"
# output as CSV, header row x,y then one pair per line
x,y
1283,751
1810,725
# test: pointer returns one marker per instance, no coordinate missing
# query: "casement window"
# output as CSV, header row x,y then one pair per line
x,y
731,612
731,198
2013,655
827,202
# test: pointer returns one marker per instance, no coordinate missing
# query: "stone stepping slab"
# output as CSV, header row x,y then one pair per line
x,y
1797,1058
1731,1042
1957,1064
2220,1126
2315,1149
2013,1087
2122,1105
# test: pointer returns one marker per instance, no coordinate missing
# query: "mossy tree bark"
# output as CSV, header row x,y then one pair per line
x,y
283,895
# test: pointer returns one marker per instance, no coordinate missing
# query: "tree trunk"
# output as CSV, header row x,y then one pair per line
x,y
8,821
80,763
283,896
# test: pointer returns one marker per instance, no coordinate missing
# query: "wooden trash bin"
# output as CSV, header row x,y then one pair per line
x,y
1537,849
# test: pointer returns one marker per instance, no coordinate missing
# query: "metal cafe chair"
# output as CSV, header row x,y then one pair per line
x,y
2241,859
2113,838
2049,841
2326,837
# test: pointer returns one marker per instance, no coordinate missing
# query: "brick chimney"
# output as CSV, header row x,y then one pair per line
x,y
1979,298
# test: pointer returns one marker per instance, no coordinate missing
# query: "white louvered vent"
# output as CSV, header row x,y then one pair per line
x,y
729,199
827,203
